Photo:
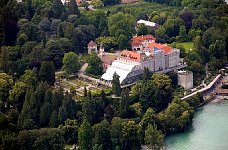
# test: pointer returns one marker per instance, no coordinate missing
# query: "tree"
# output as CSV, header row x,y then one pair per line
x,y
116,131
94,65
26,112
17,94
70,63
29,78
130,136
31,30
148,95
124,26
87,109
47,72
106,41
71,131
102,135
116,89
176,116
54,52
146,74
57,99
122,42
85,136
66,44
124,103
58,8
142,30
6,83
97,3
153,137
163,84
148,118
4,59
54,120
46,138
48,96
182,34
187,17
45,114
60,31
73,8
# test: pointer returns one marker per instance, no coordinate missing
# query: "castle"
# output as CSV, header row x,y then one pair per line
x,y
129,65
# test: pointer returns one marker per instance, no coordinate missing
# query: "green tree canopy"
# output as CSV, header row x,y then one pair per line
x,y
85,136
130,136
142,30
47,72
70,62
116,89
123,26
94,65
153,137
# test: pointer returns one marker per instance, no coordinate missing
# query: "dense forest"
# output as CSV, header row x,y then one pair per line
x,y
38,37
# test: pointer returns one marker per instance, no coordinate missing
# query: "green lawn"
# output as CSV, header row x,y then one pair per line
x,y
187,45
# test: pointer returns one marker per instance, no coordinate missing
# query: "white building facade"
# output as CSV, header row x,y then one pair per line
x,y
154,56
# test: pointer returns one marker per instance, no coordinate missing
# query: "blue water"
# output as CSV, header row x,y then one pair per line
x,y
209,130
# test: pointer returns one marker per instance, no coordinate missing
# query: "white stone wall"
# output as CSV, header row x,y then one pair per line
x,y
149,64
92,48
159,60
185,80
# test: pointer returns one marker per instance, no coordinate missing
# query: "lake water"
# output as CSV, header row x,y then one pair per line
x,y
209,130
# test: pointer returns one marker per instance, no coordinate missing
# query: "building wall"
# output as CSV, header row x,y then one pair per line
x,y
92,49
143,44
159,60
185,80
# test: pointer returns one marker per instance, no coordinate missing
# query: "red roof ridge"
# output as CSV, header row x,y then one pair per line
x,y
92,43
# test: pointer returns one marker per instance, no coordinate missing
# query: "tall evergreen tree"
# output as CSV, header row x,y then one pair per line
x,y
48,97
4,59
57,99
87,109
29,9
45,115
47,72
73,8
58,8
62,115
85,136
124,103
44,39
85,92
26,112
116,89
60,31
54,119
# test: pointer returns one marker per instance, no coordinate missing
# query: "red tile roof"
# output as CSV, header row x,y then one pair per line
x,y
108,58
92,43
166,49
139,39
132,55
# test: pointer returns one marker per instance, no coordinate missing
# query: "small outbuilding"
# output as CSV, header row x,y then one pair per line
x,y
185,79
92,47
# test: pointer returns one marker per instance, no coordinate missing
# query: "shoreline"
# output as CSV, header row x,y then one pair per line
x,y
218,99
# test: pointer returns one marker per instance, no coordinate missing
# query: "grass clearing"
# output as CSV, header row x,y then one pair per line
x,y
186,45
